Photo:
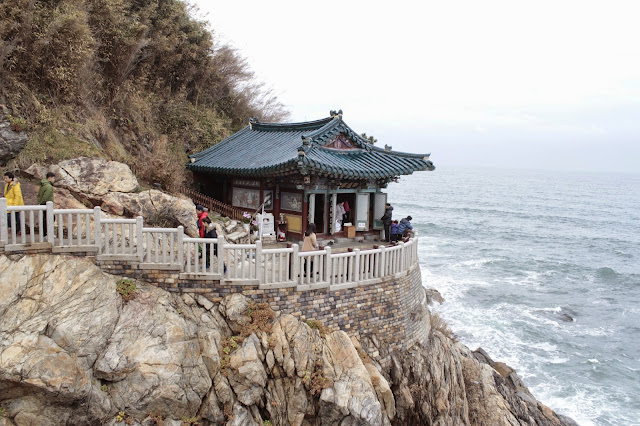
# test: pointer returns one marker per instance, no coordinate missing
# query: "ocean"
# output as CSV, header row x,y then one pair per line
x,y
542,270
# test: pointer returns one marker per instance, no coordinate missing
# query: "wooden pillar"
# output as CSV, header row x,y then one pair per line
x,y
332,212
305,213
276,202
261,198
225,190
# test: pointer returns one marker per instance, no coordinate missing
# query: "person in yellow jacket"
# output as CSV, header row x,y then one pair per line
x,y
13,194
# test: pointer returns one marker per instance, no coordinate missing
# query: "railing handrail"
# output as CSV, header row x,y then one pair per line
x,y
248,263
27,208
118,221
312,252
200,240
165,230
278,250
71,211
212,204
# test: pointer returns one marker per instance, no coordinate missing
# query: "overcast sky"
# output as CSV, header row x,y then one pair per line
x,y
536,84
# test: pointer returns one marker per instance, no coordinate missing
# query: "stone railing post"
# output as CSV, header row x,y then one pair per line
x,y
180,243
4,226
414,248
259,268
356,265
97,228
328,266
296,263
221,256
139,242
50,225
383,265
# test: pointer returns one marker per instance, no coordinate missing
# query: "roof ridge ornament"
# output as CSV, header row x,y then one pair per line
x,y
334,113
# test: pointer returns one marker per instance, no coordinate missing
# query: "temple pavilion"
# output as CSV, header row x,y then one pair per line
x,y
305,173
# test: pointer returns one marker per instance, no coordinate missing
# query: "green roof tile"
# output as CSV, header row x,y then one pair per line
x,y
270,149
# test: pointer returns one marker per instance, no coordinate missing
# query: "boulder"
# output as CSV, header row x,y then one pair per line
x,y
156,207
153,361
433,296
235,309
351,399
64,199
292,362
56,318
91,177
11,142
249,378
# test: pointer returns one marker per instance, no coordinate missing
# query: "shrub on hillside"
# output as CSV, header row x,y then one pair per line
x,y
117,77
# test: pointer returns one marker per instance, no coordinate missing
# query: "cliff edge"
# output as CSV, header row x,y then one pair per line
x,y
81,347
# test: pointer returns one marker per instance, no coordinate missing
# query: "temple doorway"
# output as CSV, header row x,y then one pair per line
x,y
319,214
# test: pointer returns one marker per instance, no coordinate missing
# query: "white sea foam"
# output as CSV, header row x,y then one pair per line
x,y
474,263
509,270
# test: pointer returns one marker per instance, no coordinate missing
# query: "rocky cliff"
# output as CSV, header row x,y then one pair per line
x,y
79,347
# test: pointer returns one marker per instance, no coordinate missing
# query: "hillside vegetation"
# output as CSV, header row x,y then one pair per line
x,y
138,81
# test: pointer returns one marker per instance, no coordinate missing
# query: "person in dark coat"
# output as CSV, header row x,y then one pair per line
x,y
210,231
201,215
405,226
394,231
45,193
386,221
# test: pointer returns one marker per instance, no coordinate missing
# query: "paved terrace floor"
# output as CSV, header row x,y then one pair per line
x,y
339,245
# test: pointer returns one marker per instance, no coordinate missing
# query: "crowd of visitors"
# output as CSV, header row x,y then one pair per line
x,y
393,230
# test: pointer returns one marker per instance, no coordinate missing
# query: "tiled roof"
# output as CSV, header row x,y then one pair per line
x,y
276,149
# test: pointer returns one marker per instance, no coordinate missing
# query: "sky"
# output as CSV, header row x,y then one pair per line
x,y
537,84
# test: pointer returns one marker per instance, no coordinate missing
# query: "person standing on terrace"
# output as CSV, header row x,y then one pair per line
x,y
45,193
386,221
201,215
310,243
13,194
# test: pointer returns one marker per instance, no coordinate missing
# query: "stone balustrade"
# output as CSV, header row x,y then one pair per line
x,y
121,241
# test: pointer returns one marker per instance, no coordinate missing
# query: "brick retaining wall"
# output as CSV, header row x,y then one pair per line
x,y
389,312
386,315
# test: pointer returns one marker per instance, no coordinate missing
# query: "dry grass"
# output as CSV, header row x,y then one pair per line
x,y
128,81
439,324
261,319
318,381
317,325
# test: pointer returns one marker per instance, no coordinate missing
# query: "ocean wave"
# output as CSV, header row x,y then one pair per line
x,y
607,272
595,332
474,263
512,251
623,254
558,360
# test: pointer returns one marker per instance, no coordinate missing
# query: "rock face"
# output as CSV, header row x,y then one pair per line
x,y
113,187
153,205
73,352
91,177
11,142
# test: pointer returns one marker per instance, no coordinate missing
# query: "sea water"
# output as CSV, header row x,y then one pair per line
x,y
542,270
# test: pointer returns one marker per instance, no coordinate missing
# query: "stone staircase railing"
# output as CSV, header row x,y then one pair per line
x,y
213,259
214,205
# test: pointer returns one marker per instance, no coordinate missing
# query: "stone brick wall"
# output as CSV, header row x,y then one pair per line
x,y
385,316
388,315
